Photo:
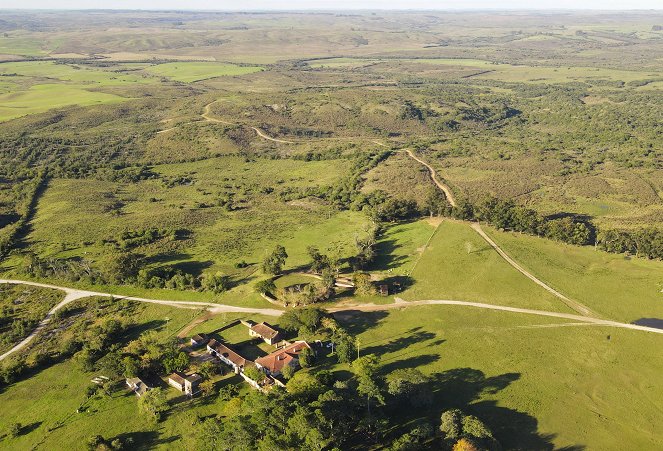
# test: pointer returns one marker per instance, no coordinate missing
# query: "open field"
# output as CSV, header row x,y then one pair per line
x,y
485,275
621,288
40,98
539,384
189,71
165,155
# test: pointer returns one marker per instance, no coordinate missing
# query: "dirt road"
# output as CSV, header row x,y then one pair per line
x,y
573,305
73,294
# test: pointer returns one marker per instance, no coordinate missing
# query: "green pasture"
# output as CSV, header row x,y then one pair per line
x,y
459,265
617,287
41,98
539,383
196,71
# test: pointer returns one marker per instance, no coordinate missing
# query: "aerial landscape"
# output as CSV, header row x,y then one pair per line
x,y
331,230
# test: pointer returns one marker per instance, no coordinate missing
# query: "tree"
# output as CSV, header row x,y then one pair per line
x,y
216,283
153,403
345,347
363,284
452,426
466,444
319,262
265,286
207,388
119,267
177,362
365,369
273,263
207,369
306,358
253,373
410,385
131,366
288,371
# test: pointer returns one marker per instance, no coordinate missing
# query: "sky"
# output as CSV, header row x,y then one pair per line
x,y
245,5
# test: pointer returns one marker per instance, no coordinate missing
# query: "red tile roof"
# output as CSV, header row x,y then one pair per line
x,y
265,330
226,352
277,360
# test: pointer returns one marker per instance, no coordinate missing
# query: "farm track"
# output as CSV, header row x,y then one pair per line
x,y
73,294
573,305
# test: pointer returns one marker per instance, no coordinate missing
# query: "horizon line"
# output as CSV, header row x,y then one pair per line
x,y
309,10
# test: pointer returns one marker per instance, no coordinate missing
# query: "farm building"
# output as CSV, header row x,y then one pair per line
x,y
138,386
274,363
265,331
199,340
190,385
227,355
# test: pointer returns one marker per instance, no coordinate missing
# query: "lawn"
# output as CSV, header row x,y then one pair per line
x,y
620,288
189,72
459,265
538,383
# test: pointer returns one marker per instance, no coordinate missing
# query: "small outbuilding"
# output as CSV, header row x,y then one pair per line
x,y
265,331
189,385
138,386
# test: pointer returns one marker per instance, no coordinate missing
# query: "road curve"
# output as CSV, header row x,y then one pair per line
x,y
262,134
73,294
433,176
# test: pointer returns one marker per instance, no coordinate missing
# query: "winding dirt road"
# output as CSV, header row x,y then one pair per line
x,y
259,132
573,305
73,294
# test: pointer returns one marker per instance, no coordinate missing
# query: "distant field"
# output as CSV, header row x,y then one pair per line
x,y
195,71
40,98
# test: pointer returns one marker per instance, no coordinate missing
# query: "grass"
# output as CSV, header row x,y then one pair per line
x,y
189,72
23,305
537,383
44,97
485,276
624,289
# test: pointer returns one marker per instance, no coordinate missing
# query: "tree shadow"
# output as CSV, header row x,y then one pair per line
x,y
356,321
135,331
402,341
25,430
144,440
464,388
656,323
410,362
385,258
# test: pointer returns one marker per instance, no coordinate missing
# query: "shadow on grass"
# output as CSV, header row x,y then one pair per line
x,y
145,440
465,389
356,321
